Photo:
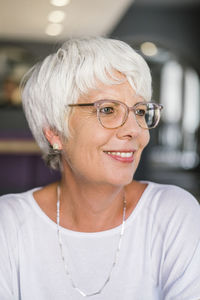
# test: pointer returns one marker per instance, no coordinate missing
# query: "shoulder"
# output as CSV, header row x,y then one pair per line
x,y
14,208
169,198
162,204
175,215
172,212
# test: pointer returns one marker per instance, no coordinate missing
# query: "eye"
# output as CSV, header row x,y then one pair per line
x,y
140,112
107,110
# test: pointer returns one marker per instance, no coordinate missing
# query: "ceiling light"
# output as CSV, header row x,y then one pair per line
x,y
149,49
60,2
56,16
54,29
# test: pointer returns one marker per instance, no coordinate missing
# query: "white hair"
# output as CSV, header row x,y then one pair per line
x,y
70,72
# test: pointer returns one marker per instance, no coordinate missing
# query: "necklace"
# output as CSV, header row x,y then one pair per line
x,y
63,258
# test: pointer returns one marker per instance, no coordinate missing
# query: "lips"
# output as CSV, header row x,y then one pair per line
x,y
123,156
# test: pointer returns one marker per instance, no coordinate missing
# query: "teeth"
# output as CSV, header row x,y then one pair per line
x,y
122,154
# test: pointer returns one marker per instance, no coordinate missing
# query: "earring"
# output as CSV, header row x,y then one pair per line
x,y
56,146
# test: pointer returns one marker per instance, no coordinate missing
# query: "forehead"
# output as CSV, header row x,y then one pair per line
x,y
121,91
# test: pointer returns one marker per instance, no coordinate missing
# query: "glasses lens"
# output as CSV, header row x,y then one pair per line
x,y
111,114
147,115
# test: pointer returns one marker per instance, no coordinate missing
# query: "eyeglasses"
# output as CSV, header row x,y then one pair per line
x,y
113,113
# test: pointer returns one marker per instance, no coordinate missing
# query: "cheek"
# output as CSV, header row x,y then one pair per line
x,y
75,156
145,139
85,145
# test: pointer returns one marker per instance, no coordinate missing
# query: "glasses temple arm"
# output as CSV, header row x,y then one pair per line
x,y
81,104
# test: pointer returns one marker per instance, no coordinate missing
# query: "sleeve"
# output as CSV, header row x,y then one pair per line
x,y
7,251
177,246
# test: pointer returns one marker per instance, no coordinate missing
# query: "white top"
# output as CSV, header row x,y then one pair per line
x,y
159,257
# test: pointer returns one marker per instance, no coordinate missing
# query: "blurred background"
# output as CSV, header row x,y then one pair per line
x,y
165,32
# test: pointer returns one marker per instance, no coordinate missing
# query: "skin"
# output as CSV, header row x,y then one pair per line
x,y
93,182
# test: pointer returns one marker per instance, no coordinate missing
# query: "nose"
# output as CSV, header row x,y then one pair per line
x,y
130,128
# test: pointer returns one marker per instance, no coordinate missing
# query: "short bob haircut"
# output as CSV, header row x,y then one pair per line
x,y
73,70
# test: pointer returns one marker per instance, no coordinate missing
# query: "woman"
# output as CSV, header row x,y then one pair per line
x,y
96,233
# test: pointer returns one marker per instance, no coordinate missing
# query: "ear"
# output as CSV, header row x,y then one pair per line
x,y
53,139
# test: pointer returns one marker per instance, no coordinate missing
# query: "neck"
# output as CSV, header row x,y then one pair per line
x,y
90,207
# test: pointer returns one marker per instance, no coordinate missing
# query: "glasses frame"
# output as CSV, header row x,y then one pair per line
x,y
127,110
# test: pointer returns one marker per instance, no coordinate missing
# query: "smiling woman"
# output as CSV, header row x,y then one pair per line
x,y
97,233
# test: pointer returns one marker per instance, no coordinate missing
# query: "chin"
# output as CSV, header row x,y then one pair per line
x,y
121,180
120,176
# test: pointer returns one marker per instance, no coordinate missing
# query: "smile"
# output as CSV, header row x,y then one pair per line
x,y
123,156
